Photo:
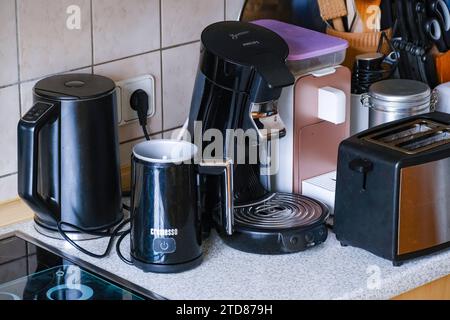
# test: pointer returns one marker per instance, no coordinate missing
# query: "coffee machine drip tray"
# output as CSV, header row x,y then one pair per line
x,y
283,223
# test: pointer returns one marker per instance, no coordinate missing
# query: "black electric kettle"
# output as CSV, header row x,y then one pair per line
x,y
68,154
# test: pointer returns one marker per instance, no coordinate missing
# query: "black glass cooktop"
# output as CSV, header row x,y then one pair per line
x,y
29,270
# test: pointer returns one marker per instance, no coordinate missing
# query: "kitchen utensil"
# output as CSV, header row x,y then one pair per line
x,y
315,110
438,25
442,61
165,221
68,155
333,10
242,72
387,20
369,13
392,188
394,99
351,14
360,43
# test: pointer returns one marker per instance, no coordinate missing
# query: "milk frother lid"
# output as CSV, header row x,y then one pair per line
x,y
74,86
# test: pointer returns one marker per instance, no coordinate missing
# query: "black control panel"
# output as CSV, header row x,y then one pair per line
x,y
37,111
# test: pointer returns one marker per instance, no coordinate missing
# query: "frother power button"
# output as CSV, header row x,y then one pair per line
x,y
164,245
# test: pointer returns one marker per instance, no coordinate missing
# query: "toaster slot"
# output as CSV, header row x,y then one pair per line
x,y
412,137
426,142
403,132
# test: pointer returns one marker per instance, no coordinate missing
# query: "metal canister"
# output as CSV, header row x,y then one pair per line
x,y
395,99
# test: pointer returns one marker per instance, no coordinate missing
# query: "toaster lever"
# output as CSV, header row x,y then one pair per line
x,y
362,166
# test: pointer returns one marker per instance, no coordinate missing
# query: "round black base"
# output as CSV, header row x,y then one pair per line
x,y
167,268
276,242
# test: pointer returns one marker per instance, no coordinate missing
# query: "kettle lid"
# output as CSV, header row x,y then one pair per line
x,y
75,86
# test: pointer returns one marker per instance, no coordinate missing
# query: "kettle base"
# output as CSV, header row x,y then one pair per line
x,y
167,268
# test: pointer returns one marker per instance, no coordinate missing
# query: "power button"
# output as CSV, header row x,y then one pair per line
x,y
164,245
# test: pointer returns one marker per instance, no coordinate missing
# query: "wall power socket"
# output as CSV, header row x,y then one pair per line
x,y
125,89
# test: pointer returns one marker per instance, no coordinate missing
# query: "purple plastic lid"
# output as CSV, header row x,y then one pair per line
x,y
304,43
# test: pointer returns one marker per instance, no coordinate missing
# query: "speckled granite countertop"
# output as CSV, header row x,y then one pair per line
x,y
328,271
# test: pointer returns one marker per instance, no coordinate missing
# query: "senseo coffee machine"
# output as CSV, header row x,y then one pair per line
x,y
315,111
242,73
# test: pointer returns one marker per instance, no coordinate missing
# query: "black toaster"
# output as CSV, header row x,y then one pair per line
x,y
393,188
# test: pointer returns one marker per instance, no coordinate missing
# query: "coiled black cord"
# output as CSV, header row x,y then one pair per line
x,y
119,253
112,236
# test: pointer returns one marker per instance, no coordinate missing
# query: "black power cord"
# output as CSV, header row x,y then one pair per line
x,y
112,236
139,103
118,243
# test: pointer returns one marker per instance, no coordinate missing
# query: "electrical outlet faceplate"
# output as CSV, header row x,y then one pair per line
x,y
125,89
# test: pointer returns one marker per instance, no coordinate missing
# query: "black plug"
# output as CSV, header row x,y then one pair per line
x,y
139,103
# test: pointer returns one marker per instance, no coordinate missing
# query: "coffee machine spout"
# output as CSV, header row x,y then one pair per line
x,y
274,71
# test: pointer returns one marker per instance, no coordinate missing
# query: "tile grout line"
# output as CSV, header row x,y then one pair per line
x,y
9,85
92,36
161,64
102,63
53,74
18,57
8,175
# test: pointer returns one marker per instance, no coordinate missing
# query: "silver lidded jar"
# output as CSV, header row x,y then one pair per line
x,y
395,99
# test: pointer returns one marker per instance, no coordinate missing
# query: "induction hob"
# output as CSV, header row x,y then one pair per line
x,y
32,270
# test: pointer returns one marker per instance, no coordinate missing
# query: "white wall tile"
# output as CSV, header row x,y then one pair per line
x,y
183,21
8,188
129,68
233,9
26,91
46,45
172,134
179,69
124,28
9,117
8,43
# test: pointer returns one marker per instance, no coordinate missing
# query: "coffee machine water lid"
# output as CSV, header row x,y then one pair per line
x,y
250,45
74,87
304,43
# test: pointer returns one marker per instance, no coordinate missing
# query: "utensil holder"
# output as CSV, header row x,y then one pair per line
x,y
360,43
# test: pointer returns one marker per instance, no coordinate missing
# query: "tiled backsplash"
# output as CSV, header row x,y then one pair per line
x,y
120,39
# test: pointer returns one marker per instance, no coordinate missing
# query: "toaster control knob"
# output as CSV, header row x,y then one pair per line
x,y
361,165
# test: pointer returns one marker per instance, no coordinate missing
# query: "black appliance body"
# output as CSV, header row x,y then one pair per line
x,y
68,154
393,188
165,233
241,74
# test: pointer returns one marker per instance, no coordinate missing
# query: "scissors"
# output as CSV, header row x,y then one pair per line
x,y
437,25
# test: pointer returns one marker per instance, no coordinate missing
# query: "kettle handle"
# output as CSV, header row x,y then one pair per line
x,y
224,168
28,140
